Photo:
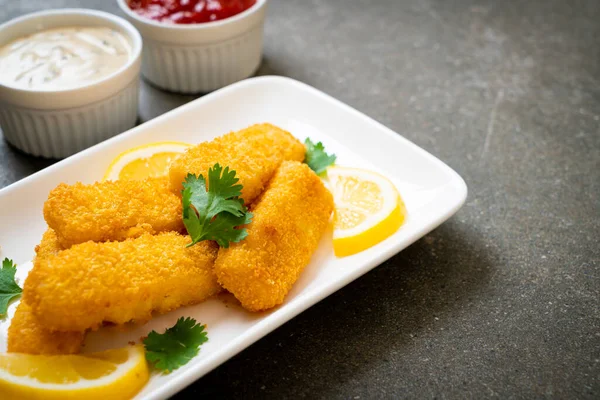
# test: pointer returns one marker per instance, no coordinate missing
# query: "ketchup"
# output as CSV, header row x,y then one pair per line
x,y
189,11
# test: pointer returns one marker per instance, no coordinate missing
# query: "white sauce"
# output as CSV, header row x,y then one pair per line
x,y
63,58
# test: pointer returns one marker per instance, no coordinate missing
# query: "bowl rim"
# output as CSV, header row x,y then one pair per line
x,y
123,4
129,29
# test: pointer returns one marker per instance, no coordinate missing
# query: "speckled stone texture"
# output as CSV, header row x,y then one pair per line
x,y
503,300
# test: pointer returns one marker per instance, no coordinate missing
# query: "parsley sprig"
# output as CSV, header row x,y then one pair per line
x,y
216,212
177,346
316,157
8,287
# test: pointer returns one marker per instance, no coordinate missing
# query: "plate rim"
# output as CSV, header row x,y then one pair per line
x,y
304,301
267,79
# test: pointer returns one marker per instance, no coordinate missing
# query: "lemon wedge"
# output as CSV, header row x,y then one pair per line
x,y
368,209
148,161
111,374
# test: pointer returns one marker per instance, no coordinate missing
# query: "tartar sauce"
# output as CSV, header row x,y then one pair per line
x,y
63,58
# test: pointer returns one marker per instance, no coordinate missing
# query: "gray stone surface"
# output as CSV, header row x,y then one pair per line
x,y
503,299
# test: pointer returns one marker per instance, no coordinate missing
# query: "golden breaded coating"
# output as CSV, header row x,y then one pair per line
x,y
118,282
254,153
26,334
289,219
49,244
112,210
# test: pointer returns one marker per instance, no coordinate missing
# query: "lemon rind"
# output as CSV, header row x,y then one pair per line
x,y
135,353
113,170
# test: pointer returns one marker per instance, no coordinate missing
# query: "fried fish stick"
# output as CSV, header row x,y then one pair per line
x,y
289,219
112,210
49,245
26,334
254,153
118,282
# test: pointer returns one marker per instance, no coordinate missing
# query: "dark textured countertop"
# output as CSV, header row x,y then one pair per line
x,y
501,301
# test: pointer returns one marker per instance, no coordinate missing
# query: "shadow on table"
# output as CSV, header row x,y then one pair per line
x,y
373,320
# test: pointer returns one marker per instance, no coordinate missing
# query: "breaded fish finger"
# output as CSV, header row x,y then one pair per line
x,y
118,282
49,245
254,153
112,210
26,334
289,219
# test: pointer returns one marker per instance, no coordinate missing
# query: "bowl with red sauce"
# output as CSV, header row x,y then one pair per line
x,y
196,46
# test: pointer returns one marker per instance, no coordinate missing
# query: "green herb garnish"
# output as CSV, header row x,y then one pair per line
x,y
8,287
214,214
177,346
316,157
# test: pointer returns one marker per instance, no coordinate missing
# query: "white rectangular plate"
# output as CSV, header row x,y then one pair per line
x,y
431,190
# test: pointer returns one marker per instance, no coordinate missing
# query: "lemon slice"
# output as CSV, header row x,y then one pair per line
x,y
111,374
368,209
148,161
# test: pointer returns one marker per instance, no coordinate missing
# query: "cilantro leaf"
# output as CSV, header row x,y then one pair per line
x,y
214,213
223,228
177,346
8,287
316,157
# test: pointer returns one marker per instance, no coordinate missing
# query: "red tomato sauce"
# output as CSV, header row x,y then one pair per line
x,y
189,11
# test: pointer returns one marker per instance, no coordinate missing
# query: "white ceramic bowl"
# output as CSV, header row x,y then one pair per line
x,y
194,58
59,123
